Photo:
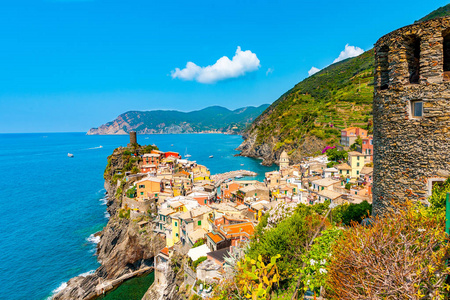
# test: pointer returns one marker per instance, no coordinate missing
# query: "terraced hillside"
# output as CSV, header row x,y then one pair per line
x,y
311,114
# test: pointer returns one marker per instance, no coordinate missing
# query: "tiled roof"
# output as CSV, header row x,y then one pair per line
x,y
214,237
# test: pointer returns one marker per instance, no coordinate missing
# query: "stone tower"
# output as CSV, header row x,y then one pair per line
x,y
284,160
133,138
411,112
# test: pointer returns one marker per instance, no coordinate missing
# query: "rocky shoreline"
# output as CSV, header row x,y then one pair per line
x,y
125,250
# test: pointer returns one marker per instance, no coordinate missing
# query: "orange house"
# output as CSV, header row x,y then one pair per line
x,y
148,187
228,189
151,159
349,135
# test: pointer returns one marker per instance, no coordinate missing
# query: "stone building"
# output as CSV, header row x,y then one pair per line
x,y
284,160
411,112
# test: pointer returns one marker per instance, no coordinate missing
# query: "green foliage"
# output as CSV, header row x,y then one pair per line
x,y
131,192
199,261
358,142
119,192
336,155
149,148
255,279
199,242
288,238
348,213
124,213
315,273
439,195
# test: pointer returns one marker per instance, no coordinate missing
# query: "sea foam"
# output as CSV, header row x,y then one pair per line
x,y
93,239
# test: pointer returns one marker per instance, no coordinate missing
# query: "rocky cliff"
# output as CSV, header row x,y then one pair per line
x,y
125,249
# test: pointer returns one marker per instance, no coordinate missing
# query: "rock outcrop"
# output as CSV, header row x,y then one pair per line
x,y
125,248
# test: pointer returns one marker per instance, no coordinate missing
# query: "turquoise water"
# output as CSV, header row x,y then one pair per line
x,y
51,204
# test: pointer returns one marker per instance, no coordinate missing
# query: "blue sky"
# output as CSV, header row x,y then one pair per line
x,y
70,65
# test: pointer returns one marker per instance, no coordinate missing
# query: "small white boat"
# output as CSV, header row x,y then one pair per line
x,y
187,155
69,154
239,177
100,146
242,164
211,156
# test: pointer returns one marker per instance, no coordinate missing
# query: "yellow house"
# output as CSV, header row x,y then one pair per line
x,y
356,162
200,169
148,187
178,206
175,229
201,177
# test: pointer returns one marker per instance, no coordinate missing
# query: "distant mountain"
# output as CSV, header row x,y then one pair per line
x,y
210,119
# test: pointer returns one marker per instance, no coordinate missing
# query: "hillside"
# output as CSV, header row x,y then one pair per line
x,y
311,114
214,118
440,12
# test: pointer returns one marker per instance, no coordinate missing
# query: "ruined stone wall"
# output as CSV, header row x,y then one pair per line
x,y
410,152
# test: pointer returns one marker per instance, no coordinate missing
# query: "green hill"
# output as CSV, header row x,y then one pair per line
x,y
214,118
311,114
440,12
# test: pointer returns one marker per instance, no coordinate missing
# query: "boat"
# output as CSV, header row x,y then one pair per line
x,y
239,177
186,154
242,164
100,146
211,156
69,154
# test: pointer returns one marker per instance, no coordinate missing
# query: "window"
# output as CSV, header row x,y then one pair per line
x,y
357,164
357,157
142,193
176,234
176,224
205,201
412,46
371,142
199,223
416,109
322,188
383,62
357,172
340,171
446,50
348,172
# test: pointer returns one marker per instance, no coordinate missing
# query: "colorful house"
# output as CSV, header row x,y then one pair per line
x,y
356,161
367,148
148,187
349,135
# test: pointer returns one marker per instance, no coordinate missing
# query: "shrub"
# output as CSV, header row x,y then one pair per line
x,y
401,256
348,213
124,213
199,242
199,261
439,195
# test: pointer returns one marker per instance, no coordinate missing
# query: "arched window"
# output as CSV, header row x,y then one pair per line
x,y
413,58
446,52
383,61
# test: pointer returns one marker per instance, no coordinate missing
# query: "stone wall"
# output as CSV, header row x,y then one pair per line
x,y
410,152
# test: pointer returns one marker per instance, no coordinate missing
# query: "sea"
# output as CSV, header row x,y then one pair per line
x,y
51,205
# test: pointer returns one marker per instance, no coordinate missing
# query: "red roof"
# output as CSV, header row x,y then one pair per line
x,y
214,237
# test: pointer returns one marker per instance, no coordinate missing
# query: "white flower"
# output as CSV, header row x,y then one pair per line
x,y
420,230
323,261
322,271
312,262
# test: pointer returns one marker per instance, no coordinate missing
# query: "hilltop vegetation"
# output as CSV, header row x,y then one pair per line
x,y
316,109
214,118
440,12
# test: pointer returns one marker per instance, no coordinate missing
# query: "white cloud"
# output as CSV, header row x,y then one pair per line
x,y
269,71
349,51
224,68
313,71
